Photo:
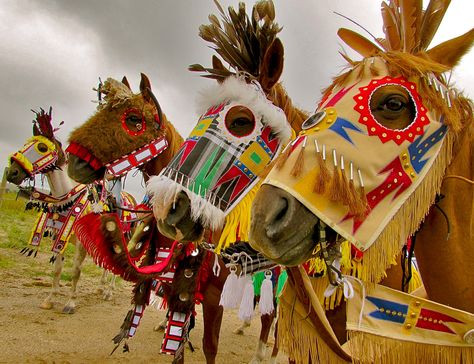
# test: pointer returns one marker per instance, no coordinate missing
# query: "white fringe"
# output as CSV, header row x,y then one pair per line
x,y
164,191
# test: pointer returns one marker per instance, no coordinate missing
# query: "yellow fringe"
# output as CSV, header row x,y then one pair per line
x,y
406,221
296,335
369,348
237,222
415,281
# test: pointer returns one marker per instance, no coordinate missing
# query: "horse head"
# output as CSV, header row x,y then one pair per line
x,y
41,153
127,131
211,181
369,162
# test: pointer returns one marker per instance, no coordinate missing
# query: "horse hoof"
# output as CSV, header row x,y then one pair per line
x,y
159,328
238,331
47,305
69,309
99,291
107,296
255,361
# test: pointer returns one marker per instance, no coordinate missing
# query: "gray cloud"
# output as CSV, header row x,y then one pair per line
x,y
53,51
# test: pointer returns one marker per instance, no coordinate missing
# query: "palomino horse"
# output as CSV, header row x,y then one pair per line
x,y
391,140
43,154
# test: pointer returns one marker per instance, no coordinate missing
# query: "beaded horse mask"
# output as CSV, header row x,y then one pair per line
x,y
237,136
356,170
40,154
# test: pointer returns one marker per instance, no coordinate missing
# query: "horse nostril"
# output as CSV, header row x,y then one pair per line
x,y
283,204
278,217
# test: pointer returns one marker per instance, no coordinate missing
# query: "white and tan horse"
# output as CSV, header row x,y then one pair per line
x,y
66,202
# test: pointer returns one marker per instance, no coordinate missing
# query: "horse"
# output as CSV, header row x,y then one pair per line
x,y
386,156
178,198
43,155
98,145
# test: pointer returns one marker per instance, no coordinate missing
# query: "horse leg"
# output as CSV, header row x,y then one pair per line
x,y
109,288
79,256
212,313
241,328
275,350
266,321
47,304
103,280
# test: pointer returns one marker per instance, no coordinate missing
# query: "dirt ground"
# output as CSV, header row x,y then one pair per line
x,y
29,334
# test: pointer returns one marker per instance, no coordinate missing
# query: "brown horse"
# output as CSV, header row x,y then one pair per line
x,y
389,136
43,154
183,220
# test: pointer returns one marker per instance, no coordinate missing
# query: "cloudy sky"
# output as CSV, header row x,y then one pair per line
x,y
53,51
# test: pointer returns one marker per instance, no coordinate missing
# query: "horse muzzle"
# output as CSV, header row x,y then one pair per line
x,y
81,171
281,227
16,174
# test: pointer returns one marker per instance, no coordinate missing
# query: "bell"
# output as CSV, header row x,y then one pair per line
x,y
188,273
110,226
117,249
184,296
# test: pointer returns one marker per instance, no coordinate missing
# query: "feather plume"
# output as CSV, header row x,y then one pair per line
x,y
410,11
390,27
42,124
239,40
432,18
357,42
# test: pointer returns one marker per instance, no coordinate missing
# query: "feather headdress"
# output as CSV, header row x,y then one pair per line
x,y
241,41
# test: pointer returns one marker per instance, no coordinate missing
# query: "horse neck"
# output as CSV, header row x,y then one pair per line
x,y
154,166
444,260
294,115
59,182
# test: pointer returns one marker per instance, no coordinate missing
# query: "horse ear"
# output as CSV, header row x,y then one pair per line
x,y
125,82
272,65
145,86
449,53
145,89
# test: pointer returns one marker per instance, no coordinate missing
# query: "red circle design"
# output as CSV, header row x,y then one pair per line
x,y
362,106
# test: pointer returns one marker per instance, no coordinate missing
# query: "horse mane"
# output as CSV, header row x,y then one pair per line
x,y
409,31
115,93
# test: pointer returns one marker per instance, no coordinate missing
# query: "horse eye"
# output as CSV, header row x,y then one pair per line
x,y
240,121
393,107
133,119
394,104
42,148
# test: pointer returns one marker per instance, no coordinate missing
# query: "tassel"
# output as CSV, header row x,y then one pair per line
x,y
97,208
335,188
231,292
345,194
284,155
323,177
246,305
299,164
266,295
362,197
